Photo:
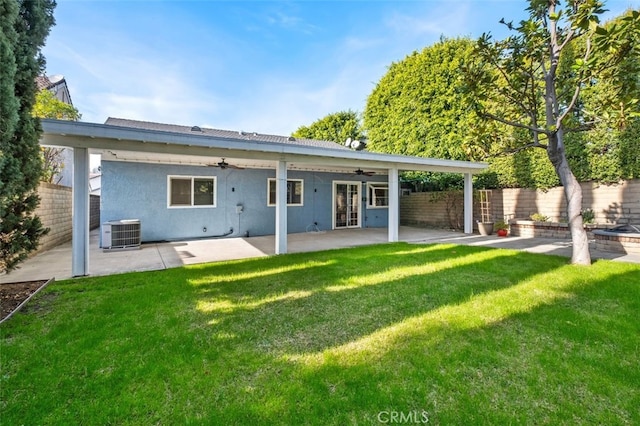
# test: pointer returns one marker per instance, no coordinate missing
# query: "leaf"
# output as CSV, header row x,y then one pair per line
x,y
601,31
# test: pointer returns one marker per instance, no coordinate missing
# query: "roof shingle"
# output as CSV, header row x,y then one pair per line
x,y
225,134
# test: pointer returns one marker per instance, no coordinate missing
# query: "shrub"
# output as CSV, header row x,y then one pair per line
x,y
537,217
588,216
501,224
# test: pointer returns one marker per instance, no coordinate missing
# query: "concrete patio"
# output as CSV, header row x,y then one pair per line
x,y
56,263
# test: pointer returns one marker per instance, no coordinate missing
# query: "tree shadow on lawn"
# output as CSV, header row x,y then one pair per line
x,y
548,360
453,330
332,303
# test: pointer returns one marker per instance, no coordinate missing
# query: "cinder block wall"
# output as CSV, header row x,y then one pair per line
x,y
617,203
612,204
442,209
94,211
428,209
55,209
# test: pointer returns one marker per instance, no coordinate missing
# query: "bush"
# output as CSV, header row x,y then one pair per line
x,y
537,217
501,224
588,216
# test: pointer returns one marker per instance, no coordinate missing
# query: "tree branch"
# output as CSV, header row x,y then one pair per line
x,y
504,74
570,36
576,93
582,127
514,123
535,144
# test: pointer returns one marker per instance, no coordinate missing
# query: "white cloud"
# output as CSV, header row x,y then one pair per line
x,y
280,104
448,19
219,83
290,21
125,79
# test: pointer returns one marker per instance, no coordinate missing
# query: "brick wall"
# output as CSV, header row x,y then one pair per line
x,y
618,243
612,204
442,209
432,209
619,203
529,229
94,211
55,209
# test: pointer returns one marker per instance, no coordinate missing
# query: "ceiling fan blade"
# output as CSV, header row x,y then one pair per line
x,y
360,172
222,164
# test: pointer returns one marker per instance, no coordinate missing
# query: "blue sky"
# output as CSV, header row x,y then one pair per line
x,y
260,66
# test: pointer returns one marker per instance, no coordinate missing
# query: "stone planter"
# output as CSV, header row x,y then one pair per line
x,y
532,229
485,228
617,242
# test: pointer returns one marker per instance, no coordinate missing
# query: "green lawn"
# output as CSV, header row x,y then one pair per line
x,y
452,334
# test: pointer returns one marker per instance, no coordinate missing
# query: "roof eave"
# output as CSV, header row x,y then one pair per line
x,y
102,136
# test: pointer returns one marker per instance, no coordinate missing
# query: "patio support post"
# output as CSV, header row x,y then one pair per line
x,y
281,207
468,204
394,205
80,229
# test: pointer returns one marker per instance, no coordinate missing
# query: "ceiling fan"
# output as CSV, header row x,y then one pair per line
x,y
361,172
224,165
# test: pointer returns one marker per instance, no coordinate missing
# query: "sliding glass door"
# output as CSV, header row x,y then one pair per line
x,y
346,205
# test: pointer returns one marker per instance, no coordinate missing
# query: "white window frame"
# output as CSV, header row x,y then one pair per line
x,y
192,206
371,200
301,181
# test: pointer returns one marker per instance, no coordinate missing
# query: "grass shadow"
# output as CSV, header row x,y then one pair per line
x,y
468,334
296,313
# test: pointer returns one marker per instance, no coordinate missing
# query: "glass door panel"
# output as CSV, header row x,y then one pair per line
x,y
347,205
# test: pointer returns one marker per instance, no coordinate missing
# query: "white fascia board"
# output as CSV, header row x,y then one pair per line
x,y
108,137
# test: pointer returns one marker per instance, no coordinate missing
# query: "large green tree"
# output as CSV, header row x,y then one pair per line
x,y
521,82
336,127
418,107
25,25
609,149
604,149
48,106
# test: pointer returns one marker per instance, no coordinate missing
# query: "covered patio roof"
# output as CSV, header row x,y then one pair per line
x,y
128,140
154,142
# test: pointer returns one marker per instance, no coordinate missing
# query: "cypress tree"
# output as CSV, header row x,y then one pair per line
x,y
25,25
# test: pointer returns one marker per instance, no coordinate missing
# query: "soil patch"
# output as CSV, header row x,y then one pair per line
x,y
13,294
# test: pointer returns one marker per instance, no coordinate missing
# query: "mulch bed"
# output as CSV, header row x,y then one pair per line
x,y
13,294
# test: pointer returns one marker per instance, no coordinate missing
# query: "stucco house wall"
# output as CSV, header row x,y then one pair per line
x,y
133,190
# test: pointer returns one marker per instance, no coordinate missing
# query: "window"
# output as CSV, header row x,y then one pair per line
x,y
191,191
378,195
294,192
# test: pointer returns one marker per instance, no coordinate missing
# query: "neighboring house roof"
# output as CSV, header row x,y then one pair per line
x,y
57,85
226,134
43,82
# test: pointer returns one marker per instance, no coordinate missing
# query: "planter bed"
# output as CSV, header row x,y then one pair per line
x,y
532,229
618,242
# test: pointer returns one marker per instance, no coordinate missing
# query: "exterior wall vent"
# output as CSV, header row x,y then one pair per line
x,y
121,235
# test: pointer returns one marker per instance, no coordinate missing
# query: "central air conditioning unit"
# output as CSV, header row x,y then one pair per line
x,y
121,234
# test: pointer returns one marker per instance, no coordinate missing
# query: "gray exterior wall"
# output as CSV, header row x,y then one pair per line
x,y
139,191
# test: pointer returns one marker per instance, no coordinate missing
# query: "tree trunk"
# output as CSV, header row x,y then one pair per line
x,y
573,195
